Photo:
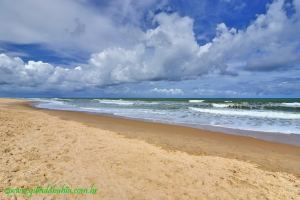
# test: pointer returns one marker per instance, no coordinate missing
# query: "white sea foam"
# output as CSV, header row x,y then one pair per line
x,y
125,102
220,105
195,101
90,108
112,101
50,101
293,105
249,113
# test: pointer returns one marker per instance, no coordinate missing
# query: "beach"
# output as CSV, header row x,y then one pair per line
x,y
131,159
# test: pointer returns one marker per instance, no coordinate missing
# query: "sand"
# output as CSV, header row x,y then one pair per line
x,y
138,160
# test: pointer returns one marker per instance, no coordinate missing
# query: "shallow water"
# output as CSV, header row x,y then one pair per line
x,y
262,115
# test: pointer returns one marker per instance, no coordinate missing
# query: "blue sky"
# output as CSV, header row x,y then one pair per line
x,y
151,48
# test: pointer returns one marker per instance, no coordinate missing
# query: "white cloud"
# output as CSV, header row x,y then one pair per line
x,y
270,42
171,91
170,51
14,71
64,26
167,52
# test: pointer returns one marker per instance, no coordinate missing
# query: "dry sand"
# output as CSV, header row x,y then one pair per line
x,y
138,160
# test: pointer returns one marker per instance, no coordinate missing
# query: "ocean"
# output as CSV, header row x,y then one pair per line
x,y
259,115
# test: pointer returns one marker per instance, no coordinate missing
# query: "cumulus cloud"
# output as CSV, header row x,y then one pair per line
x,y
63,26
170,52
269,43
15,71
167,52
170,91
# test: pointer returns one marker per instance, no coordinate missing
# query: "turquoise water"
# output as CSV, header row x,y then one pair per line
x,y
263,115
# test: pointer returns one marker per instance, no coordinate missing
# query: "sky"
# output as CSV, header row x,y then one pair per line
x,y
150,48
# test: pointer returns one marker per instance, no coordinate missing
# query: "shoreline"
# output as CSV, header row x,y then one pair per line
x,y
277,137
191,140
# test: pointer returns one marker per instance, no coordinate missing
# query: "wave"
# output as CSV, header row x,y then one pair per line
x,y
242,105
292,105
248,113
118,102
52,101
125,102
196,101
220,105
235,105
246,105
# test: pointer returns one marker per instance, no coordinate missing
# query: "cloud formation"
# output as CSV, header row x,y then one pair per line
x,y
170,91
169,51
65,26
269,43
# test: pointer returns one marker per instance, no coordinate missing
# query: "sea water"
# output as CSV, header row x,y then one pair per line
x,y
263,115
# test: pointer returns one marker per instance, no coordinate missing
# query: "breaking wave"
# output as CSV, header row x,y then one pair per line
x,y
249,113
